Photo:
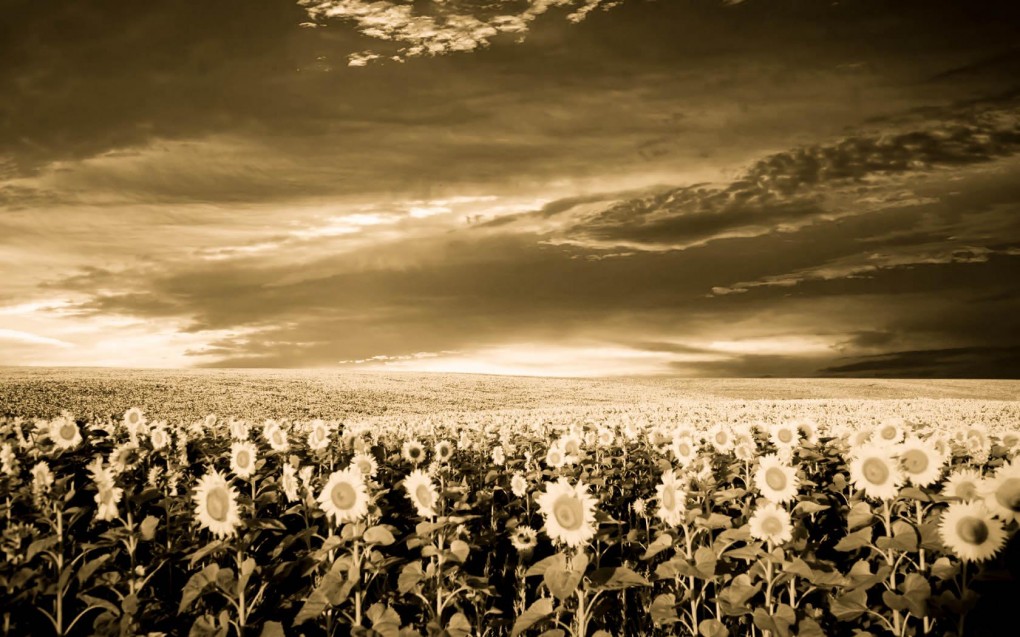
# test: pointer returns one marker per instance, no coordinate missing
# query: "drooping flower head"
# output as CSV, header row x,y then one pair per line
x,y
569,512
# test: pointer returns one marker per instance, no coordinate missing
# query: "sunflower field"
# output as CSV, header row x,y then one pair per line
x,y
554,524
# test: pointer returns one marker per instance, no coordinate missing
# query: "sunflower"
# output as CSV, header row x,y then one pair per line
x,y
920,461
125,457
413,452
860,438
744,451
422,493
524,539
242,458
9,460
444,451
605,437
1002,492
874,471
776,480
970,531
289,482
721,438
134,420
159,437
366,464
345,497
685,450
784,434
555,457
808,431
277,438
498,456
771,523
519,485
107,497
64,432
318,435
889,432
963,484
571,444
672,499
42,478
569,512
239,429
216,505
639,506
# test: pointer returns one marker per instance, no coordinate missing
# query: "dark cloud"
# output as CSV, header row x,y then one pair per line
x,y
959,362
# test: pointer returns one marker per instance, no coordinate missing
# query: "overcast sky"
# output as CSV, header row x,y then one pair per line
x,y
553,187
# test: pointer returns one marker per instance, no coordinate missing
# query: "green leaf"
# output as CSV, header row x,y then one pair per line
x,y
89,568
558,561
661,543
944,568
40,545
617,578
385,620
807,506
379,535
808,627
196,585
535,613
460,550
562,582
272,629
849,606
712,628
733,599
459,626
663,610
860,515
855,540
148,527
410,576
777,623
916,591
715,521
705,559
331,591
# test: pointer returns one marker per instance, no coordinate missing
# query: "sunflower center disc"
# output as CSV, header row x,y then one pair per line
x,y
720,437
424,496
243,458
668,499
684,449
967,491
888,433
1008,494
915,461
875,471
972,530
216,503
775,478
568,512
785,435
67,431
343,496
772,525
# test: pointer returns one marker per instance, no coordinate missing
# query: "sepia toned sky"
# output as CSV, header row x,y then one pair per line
x,y
548,187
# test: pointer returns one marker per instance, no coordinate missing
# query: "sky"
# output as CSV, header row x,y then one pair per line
x,y
543,187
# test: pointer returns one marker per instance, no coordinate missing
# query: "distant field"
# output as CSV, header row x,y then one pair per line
x,y
184,394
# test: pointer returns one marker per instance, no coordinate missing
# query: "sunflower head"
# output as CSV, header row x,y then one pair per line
x,y
970,531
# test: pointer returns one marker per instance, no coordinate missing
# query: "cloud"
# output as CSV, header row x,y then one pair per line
x,y
447,29
31,339
958,362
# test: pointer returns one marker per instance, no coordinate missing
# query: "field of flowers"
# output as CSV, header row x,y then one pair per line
x,y
694,518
